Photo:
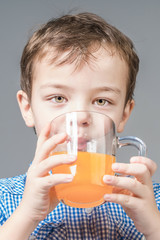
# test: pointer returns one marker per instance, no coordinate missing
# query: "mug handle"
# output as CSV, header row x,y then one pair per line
x,y
133,141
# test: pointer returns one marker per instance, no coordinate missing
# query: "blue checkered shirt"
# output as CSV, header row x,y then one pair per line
x,y
107,221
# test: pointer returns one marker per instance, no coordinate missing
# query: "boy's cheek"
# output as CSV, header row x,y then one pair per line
x,y
121,126
125,116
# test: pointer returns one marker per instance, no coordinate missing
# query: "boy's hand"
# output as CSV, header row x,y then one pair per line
x,y
135,194
39,195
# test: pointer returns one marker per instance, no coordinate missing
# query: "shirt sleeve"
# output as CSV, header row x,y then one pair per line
x,y
156,188
2,211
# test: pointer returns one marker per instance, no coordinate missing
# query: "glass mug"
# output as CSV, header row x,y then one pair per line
x,y
92,138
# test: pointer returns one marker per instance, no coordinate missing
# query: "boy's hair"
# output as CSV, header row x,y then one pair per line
x,y
78,36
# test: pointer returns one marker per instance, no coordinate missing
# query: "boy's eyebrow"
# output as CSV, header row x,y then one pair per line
x,y
109,89
97,89
58,86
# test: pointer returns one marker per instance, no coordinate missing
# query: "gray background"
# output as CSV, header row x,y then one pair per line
x,y
139,19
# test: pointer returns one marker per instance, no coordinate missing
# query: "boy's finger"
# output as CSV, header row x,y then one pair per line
x,y
126,201
151,165
44,135
48,164
49,146
127,183
140,171
55,179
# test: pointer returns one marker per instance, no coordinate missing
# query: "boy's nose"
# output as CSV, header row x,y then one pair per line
x,y
83,119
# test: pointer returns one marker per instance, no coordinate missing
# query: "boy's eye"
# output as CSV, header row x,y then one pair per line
x,y
101,102
58,99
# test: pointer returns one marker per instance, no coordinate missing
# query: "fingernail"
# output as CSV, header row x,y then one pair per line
x,y
63,134
107,197
115,166
68,139
134,159
69,177
71,158
107,178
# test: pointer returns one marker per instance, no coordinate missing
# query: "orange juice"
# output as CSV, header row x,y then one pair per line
x,y
87,188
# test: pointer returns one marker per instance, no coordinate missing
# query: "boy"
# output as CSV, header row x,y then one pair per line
x,y
77,62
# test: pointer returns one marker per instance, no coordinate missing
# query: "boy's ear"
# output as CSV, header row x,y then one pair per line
x,y
126,113
25,108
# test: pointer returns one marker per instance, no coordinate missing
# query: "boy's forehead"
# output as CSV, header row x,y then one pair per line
x,y
98,60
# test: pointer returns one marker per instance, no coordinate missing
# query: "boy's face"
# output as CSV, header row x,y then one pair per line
x,y
100,86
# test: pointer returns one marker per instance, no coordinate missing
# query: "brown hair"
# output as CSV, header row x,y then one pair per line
x,y
78,35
